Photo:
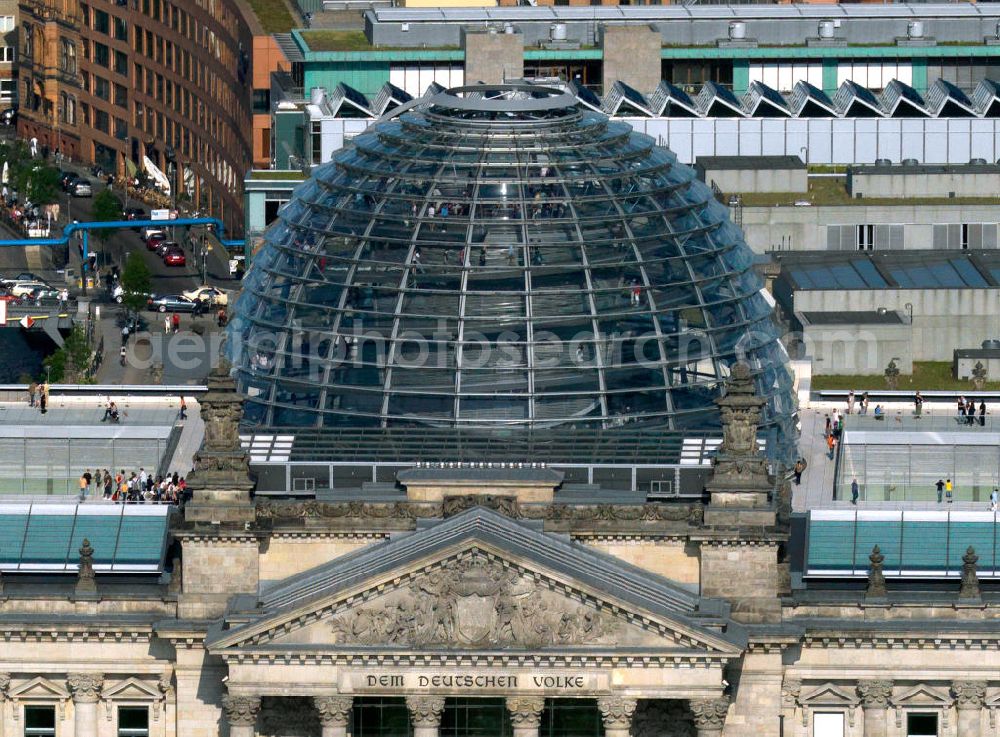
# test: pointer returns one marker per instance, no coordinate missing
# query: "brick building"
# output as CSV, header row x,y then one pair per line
x,y
113,81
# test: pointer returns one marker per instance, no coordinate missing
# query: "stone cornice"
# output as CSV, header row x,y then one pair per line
x,y
93,633
277,514
898,641
299,534
486,659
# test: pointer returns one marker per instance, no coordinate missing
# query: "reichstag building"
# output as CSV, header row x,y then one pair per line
x,y
502,452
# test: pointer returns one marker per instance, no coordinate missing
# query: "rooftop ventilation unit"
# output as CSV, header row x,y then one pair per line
x,y
909,162
557,32
826,29
737,31
915,29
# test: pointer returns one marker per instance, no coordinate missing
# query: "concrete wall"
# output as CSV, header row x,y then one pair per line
x,y
805,228
945,184
632,56
757,180
943,319
965,366
493,57
858,349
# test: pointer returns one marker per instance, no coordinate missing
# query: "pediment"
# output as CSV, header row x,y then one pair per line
x,y
131,688
922,695
829,695
38,688
517,589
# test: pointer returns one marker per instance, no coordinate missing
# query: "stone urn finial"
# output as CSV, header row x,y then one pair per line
x,y
970,578
892,374
86,581
979,375
876,580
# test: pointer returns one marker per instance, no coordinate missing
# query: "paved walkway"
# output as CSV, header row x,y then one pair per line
x,y
816,490
77,410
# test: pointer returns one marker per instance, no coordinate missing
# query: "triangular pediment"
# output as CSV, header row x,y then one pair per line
x,y
38,688
481,581
131,688
829,695
923,695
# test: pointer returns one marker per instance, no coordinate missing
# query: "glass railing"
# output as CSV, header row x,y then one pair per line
x,y
937,420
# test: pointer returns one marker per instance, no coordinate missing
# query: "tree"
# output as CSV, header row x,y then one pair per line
x,y
70,363
37,183
105,209
136,282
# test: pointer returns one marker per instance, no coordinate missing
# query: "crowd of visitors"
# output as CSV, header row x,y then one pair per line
x,y
133,488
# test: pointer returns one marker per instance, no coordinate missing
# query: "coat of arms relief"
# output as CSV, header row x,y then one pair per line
x,y
476,602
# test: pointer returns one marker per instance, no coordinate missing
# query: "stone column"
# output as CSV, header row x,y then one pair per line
x,y
525,714
425,714
241,713
616,712
970,696
875,697
710,716
334,714
86,691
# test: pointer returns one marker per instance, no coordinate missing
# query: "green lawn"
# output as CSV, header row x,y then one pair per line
x,y
274,15
927,376
833,191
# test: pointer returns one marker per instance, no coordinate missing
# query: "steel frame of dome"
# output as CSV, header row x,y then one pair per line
x,y
497,256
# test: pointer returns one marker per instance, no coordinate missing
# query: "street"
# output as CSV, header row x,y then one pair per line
x,y
197,349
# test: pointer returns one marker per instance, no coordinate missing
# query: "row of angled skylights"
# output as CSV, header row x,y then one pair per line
x,y
897,100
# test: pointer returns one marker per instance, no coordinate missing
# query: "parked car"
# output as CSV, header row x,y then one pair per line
x,y
212,295
149,230
133,213
25,288
155,239
81,188
118,294
171,303
174,257
28,276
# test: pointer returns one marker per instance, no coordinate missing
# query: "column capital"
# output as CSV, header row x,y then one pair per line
x,y
617,711
710,714
425,711
85,687
4,686
525,711
334,710
969,694
875,694
241,711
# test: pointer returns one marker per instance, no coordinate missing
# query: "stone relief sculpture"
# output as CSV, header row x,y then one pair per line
x,y
476,602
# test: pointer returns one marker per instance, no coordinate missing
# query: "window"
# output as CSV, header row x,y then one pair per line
x,y
6,54
965,235
6,23
262,100
121,95
121,29
828,725
921,725
101,121
317,142
102,22
133,721
865,237
102,55
121,63
39,721
67,109
102,88
28,35
7,89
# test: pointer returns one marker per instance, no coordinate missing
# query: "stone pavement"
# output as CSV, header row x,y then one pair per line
x,y
816,490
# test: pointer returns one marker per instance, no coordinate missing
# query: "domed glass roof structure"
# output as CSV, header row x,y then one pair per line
x,y
497,257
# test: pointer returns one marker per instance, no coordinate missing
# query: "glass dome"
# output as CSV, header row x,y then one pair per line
x,y
500,257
